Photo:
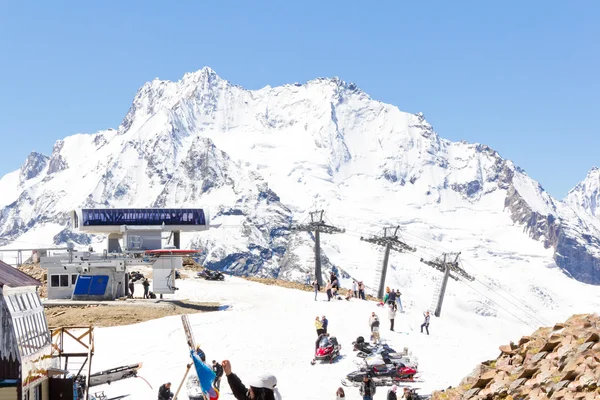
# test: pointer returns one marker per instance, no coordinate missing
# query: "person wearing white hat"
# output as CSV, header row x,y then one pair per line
x,y
262,387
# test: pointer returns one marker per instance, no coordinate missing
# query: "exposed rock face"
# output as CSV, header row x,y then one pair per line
x,y
561,362
33,166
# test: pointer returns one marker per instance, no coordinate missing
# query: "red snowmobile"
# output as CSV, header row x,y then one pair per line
x,y
328,350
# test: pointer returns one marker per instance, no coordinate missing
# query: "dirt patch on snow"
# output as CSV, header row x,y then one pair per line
x,y
117,315
296,285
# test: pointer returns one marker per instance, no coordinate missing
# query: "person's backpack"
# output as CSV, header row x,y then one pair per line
x,y
375,322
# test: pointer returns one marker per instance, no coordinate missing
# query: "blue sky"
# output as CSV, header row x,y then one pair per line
x,y
519,76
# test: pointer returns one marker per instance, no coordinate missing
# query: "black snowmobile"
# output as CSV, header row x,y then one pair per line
x,y
365,349
382,375
210,275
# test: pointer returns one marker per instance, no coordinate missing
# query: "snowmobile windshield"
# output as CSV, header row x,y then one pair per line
x,y
324,342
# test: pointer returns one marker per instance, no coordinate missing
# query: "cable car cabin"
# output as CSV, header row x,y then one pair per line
x,y
138,229
107,220
25,341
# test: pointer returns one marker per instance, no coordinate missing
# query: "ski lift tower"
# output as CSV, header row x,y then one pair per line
x,y
451,269
391,241
318,226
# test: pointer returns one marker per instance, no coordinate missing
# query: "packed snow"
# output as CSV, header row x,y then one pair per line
x,y
271,329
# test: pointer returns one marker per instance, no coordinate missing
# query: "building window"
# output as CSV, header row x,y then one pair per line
x,y
59,280
37,392
73,279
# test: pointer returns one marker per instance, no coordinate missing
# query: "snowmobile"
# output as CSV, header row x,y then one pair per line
x,y
385,358
366,348
211,275
328,350
382,375
193,389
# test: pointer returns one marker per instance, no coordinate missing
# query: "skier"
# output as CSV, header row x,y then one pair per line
x,y
146,285
261,388
317,288
426,323
392,315
340,395
325,324
218,370
367,388
319,326
391,395
164,392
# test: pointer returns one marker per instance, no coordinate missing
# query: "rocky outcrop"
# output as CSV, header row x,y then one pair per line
x,y
559,362
576,257
33,166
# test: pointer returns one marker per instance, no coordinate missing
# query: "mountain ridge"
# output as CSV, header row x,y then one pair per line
x,y
201,139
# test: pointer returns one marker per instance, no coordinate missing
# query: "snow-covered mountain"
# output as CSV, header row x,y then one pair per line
x,y
585,197
259,159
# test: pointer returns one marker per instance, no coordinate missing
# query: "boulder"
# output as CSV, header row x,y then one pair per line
x,y
484,379
524,340
593,337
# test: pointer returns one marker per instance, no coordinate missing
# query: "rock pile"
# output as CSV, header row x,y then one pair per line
x,y
561,362
37,272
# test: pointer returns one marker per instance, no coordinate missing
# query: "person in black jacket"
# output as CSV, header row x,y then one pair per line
x,y
218,370
164,392
262,388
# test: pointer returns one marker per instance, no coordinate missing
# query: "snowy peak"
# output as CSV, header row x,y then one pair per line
x,y
254,155
33,167
585,196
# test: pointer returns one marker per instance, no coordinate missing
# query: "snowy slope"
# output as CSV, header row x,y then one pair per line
x,y
585,197
257,160
269,328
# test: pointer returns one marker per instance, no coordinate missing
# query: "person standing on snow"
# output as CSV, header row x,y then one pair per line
x,y
355,288
218,370
399,300
367,388
319,326
164,392
316,287
361,290
391,395
263,387
426,323
374,324
146,286
131,288
325,324
392,315
328,290
392,297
